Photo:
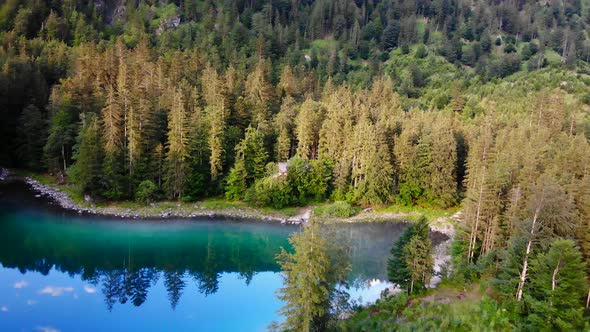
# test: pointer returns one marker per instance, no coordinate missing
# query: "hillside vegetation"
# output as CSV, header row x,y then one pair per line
x,y
443,103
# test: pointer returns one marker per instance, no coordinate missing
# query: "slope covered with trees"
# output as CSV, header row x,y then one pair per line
x,y
482,104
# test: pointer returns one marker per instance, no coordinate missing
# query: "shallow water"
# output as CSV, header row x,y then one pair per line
x,y
64,272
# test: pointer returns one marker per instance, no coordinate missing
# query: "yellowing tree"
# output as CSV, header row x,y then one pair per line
x,y
177,147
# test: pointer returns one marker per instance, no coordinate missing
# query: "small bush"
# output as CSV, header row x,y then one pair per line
x,y
338,209
146,192
270,192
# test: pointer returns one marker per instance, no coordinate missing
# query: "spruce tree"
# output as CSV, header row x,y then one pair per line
x,y
400,269
236,184
252,151
177,148
310,276
419,261
556,292
89,156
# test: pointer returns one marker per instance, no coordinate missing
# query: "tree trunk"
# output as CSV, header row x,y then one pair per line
x,y
63,156
588,300
475,227
554,277
525,264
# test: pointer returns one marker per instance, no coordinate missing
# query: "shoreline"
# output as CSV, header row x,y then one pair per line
x,y
162,211
154,211
165,210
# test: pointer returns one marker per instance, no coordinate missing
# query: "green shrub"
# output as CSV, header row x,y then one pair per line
x,y
146,192
270,191
408,193
338,209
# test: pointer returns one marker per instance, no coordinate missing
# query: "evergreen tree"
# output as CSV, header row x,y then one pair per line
x,y
401,270
113,169
60,140
285,123
177,148
253,153
236,184
32,131
259,94
310,276
87,171
557,287
309,121
419,261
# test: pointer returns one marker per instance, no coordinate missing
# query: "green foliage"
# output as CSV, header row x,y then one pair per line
x,y
251,149
311,274
87,171
410,258
146,192
555,296
270,191
396,314
32,131
60,140
309,180
381,316
338,209
486,315
114,176
409,192
418,260
236,184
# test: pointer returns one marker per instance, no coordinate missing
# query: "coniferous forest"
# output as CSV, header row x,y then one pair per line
x,y
431,103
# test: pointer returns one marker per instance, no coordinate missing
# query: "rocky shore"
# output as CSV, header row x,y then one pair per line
x,y
159,210
178,210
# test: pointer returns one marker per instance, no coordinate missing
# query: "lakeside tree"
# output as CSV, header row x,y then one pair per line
x,y
410,264
311,274
87,171
418,256
177,150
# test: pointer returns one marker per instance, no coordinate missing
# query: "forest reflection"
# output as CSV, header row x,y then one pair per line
x,y
125,259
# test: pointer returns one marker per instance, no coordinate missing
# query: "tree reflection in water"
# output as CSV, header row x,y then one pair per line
x,y
125,258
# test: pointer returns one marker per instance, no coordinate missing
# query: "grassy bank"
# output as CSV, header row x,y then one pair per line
x,y
236,209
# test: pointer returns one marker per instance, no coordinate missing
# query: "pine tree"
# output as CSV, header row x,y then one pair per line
x,y
32,131
419,261
214,93
310,275
252,151
335,132
217,124
236,184
372,172
259,94
399,265
557,287
285,124
552,214
177,148
89,156
60,140
309,121
480,195
112,120
440,185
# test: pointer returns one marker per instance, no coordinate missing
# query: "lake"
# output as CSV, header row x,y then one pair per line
x,y
63,272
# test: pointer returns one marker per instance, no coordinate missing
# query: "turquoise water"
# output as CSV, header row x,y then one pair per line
x,y
64,272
